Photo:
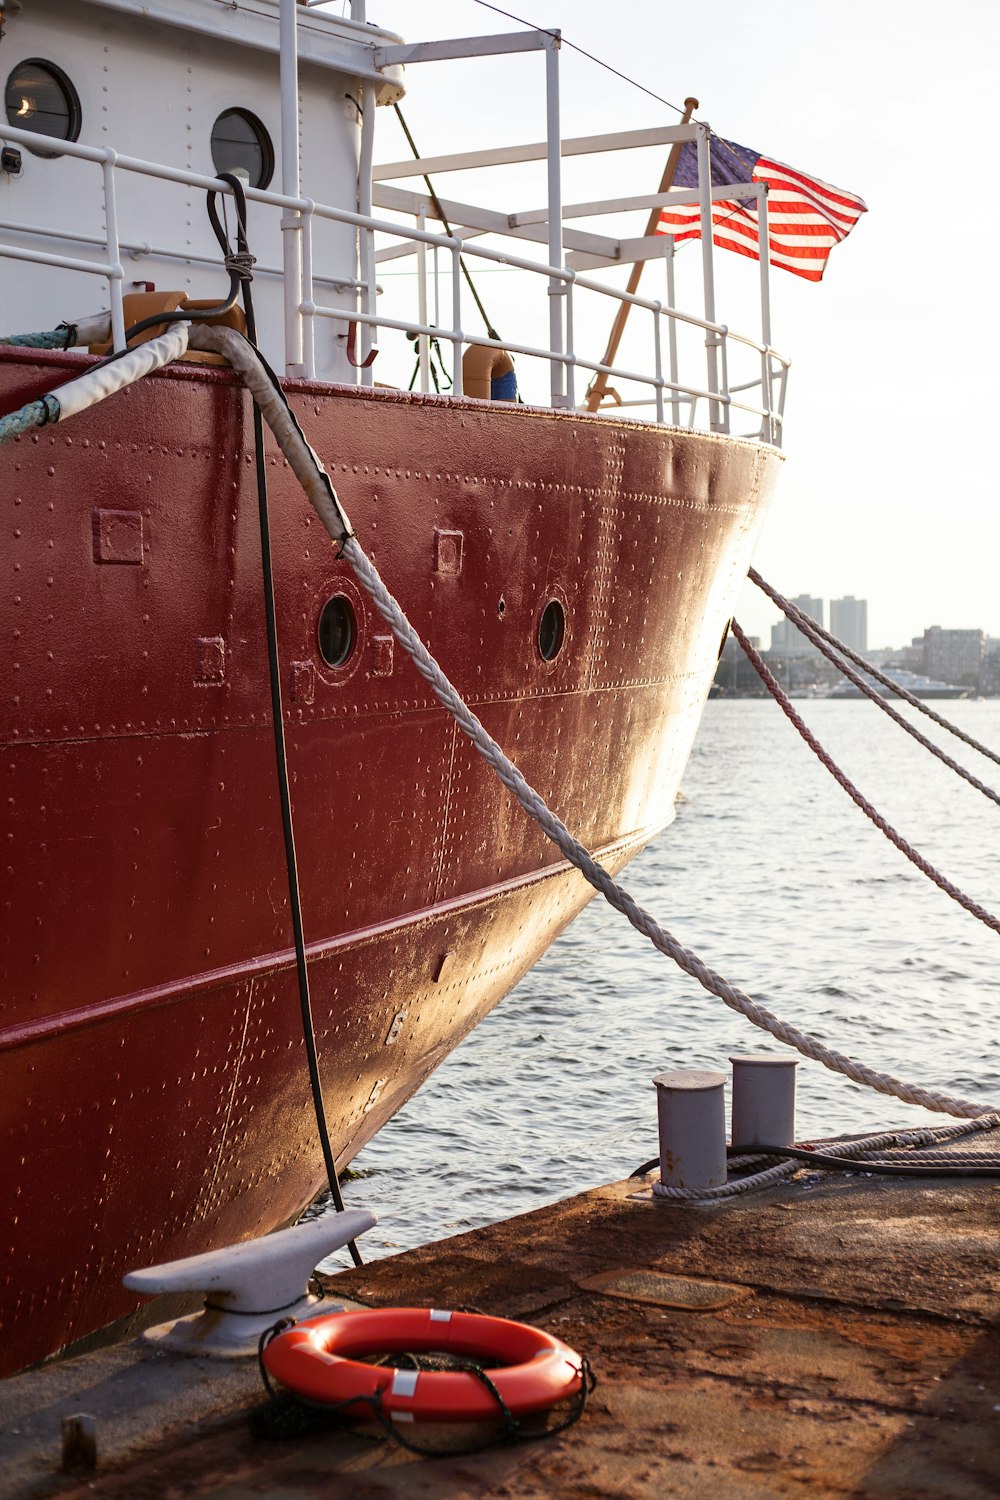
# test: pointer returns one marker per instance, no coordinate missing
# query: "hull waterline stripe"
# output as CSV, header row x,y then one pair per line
x,y
157,996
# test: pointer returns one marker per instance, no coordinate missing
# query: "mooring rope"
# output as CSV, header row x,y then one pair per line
x,y
779,695
809,628
320,491
819,635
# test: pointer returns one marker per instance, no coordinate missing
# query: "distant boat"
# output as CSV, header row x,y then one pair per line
x,y
911,682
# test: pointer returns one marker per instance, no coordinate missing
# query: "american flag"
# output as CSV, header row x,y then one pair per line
x,y
806,217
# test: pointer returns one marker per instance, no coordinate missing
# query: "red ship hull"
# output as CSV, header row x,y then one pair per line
x,y
153,1091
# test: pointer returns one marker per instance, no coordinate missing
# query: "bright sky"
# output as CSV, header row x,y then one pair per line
x,y
888,492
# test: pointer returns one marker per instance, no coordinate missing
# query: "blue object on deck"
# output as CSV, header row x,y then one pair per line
x,y
504,387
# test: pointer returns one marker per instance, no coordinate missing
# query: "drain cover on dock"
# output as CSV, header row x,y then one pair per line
x,y
665,1291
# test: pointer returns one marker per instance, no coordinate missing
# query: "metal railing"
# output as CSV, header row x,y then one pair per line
x,y
302,309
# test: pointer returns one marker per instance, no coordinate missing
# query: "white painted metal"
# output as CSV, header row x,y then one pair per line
x,y
570,400
423,342
676,197
456,335
409,247
708,270
146,212
658,355
465,46
366,269
767,395
557,372
308,305
115,275
691,1113
669,250
580,145
763,1101
291,222
325,38
403,200
248,1286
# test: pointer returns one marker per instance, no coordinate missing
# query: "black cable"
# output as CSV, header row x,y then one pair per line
x,y
277,714
858,1164
844,1163
435,200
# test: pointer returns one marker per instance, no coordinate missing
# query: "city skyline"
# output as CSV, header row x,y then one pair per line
x,y
774,619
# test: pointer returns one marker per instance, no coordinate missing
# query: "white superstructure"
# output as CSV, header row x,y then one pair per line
x,y
152,78
118,114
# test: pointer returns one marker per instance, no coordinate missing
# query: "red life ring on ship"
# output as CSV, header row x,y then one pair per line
x,y
530,1369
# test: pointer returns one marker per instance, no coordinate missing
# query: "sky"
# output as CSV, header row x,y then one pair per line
x,y
889,491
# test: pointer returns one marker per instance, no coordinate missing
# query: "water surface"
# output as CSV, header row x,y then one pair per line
x,y
772,876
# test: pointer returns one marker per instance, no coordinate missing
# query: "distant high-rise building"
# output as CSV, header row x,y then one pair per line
x,y
786,639
849,622
953,655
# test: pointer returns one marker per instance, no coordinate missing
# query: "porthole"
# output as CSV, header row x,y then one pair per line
x,y
337,631
551,630
241,144
41,98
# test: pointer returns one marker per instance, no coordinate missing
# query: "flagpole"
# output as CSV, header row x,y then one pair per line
x,y
595,394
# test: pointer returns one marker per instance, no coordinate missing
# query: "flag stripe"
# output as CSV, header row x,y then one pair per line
x,y
806,217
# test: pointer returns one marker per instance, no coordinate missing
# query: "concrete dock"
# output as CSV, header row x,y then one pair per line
x,y
831,1336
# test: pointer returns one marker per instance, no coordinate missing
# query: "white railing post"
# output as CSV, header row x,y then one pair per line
x,y
724,352
708,268
291,221
764,245
570,348
658,352
556,289
457,385
423,343
308,306
675,404
366,246
116,275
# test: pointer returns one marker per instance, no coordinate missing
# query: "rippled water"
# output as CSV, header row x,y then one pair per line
x,y
774,877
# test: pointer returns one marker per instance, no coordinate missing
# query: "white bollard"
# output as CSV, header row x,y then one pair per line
x,y
763,1101
691,1110
247,1287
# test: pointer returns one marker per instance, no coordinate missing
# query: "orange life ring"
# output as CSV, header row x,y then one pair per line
x,y
530,1369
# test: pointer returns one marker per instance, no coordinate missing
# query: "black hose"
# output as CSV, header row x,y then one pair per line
x,y
277,714
844,1163
879,1168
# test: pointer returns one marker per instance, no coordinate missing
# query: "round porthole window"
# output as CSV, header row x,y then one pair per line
x,y
241,144
41,98
551,630
337,630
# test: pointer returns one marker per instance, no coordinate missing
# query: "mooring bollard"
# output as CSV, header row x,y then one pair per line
x,y
763,1101
691,1110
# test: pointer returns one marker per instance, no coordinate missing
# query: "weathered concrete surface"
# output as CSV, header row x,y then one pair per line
x,y
853,1352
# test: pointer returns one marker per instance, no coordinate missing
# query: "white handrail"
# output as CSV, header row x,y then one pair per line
x,y
298,215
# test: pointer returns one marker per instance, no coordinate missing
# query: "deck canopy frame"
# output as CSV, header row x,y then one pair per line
x,y
586,250
570,252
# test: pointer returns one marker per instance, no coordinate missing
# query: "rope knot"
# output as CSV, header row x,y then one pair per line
x,y
240,263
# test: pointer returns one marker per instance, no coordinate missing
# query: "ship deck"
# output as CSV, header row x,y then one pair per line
x,y
827,1337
